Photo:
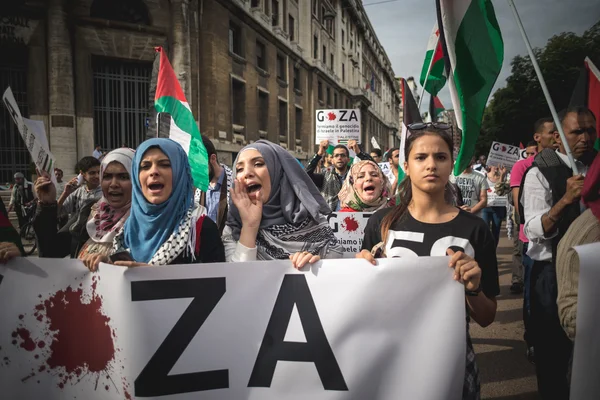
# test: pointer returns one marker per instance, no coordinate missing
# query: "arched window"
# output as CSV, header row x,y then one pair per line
x,y
131,11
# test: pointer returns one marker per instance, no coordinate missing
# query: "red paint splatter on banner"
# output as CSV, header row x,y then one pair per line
x,y
78,340
27,343
350,224
331,116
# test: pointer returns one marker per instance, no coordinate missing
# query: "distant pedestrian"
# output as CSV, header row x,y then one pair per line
x,y
97,152
21,196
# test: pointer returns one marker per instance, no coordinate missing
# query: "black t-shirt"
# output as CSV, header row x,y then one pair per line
x,y
411,238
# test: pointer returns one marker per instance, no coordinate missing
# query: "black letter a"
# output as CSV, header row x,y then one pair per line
x,y
294,290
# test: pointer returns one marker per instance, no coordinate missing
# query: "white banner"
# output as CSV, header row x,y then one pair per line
x,y
349,229
337,126
586,356
343,330
504,154
31,132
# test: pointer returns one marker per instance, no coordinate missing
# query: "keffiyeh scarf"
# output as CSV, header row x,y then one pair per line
x,y
349,196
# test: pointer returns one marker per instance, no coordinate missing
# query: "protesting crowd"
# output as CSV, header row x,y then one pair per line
x,y
139,207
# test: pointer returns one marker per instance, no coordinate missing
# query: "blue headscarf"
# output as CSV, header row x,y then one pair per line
x,y
150,225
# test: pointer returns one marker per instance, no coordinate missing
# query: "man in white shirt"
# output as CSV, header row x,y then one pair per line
x,y
551,201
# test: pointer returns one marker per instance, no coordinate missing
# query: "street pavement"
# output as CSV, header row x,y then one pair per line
x,y
500,351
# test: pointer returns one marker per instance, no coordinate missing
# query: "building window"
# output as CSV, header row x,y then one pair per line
x,y
283,118
328,96
238,102
347,104
255,3
343,38
261,55
292,28
235,39
335,99
298,123
322,16
274,12
263,111
281,73
332,61
297,79
324,55
351,43
133,12
343,73
320,91
315,6
315,47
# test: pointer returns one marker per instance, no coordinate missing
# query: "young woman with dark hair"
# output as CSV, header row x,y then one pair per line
x,y
426,224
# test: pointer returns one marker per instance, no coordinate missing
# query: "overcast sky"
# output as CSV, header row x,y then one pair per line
x,y
403,28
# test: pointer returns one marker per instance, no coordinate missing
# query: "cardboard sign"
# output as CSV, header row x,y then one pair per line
x,y
343,329
504,154
34,135
349,229
337,126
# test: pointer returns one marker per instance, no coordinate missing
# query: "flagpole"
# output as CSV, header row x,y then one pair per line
x,y
427,75
544,88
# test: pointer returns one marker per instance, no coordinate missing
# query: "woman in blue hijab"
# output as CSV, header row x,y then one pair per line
x,y
165,226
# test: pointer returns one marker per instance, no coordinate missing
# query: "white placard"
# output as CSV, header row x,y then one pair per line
x,y
586,355
31,132
504,154
374,143
349,229
337,126
344,329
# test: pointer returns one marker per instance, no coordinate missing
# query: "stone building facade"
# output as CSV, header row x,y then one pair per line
x,y
250,69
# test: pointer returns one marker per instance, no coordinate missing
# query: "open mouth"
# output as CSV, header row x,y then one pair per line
x,y
369,189
253,188
155,187
115,194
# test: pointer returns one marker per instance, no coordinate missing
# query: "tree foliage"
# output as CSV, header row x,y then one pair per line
x,y
510,115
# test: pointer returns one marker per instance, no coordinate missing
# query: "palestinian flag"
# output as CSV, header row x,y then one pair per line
x,y
587,93
434,64
182,128
410,115
435,107
474,51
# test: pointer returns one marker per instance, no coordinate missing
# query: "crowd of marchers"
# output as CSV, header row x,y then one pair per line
x,y
139,207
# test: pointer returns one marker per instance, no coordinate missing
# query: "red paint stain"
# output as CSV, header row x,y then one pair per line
x,y
106,388
41,344
21,316
74,323
28,343
350,224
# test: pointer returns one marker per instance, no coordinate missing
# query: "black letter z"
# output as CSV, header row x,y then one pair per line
x,y
154,380
294,290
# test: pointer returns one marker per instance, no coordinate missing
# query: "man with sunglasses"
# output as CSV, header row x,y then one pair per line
x,y
551,202
330,183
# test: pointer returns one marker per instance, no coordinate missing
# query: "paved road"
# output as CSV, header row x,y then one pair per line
x,y
505,372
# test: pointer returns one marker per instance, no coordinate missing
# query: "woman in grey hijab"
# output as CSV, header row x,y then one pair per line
x,y
276,211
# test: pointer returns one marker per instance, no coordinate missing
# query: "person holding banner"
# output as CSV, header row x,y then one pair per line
x,y
166,225
91,231
366,188
276,211
426,224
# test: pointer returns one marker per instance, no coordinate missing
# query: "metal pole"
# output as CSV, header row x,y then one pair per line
x,y
544,88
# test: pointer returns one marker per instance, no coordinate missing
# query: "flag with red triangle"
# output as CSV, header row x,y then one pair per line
x,y
433,76
170,99
435,107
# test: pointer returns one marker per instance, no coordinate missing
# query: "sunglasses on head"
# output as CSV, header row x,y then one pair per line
x,y
439,126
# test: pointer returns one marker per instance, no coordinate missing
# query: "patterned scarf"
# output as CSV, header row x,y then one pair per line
x,y
349,196
106,221
293,218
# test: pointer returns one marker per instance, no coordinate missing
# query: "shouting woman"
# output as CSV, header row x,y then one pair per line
x,y
365,189
277,212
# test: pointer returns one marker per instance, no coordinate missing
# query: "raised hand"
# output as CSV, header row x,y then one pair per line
x,y
250,209
44,188
353,145
323,147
